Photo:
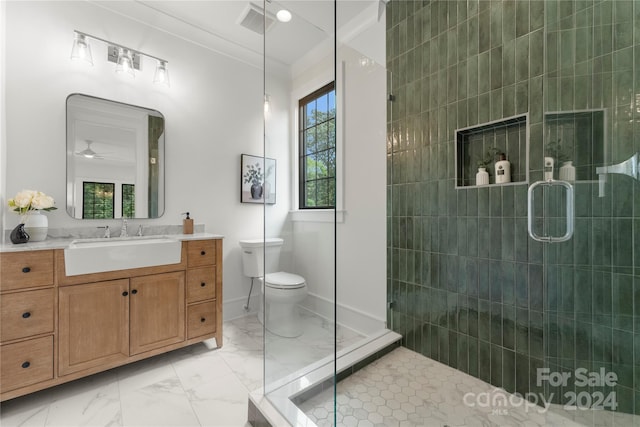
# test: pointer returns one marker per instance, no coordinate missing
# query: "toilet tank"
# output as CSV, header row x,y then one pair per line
x,y
254,256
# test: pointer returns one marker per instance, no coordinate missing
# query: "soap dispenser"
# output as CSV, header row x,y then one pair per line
x,y
503,170
187,224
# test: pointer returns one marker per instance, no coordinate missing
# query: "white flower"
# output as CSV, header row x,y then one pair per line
x,y
41,201
23,198
30,200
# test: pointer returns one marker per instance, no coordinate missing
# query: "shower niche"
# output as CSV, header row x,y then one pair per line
x,y
574,138
481,146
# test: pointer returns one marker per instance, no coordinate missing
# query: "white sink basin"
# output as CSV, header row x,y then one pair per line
x,y
85,256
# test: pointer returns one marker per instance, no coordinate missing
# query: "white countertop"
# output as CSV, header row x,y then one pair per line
x,y
61,243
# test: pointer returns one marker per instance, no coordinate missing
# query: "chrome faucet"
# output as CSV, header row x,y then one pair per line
x,y
107,231
123,229
630,167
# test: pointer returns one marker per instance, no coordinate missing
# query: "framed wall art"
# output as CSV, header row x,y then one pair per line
x,y
257,179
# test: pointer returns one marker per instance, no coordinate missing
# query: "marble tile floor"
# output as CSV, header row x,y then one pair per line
x,y
406,389
194,386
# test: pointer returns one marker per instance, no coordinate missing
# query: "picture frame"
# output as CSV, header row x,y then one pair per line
x,y
257,179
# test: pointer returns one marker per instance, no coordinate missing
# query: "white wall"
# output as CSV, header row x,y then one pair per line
x,y
360,245
213,113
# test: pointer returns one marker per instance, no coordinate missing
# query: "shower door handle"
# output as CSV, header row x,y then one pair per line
x,y
569,210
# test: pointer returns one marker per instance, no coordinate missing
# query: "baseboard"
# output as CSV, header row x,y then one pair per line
x,y
349,317
234,308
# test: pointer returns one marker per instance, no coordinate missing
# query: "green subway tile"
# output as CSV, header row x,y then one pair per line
x,y
484,360
508,21
522,17
471,277
508,239
536,336
521,240
522,58
583,293
473,356
462,353
452,359
536,18
484,320
508,63
536,53
495,12
509,371
496,365
522,374
509,327
484,31
496,67
522,331
484,72
496,324
443,346
507,278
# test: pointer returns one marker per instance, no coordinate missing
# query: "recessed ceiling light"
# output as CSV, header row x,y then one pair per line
x,y
283,15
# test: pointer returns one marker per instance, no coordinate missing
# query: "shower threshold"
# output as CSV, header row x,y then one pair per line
x,y
279,406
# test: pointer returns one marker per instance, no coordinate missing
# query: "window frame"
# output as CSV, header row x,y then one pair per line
x,y
301,148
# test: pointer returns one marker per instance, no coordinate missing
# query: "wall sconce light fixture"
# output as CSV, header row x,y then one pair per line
x,y
127,60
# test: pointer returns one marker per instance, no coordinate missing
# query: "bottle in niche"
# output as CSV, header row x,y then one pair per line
x,y
482,177
567,172
503,169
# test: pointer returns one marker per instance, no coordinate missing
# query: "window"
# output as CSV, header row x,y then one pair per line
x,y
97,200
128,201
317,138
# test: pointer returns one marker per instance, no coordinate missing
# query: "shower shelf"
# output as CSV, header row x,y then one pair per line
x,y
509,136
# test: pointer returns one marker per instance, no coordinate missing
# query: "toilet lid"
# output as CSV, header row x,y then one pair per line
x,y
284,280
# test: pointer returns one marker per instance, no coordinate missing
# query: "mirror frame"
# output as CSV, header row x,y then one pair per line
x,y
159,159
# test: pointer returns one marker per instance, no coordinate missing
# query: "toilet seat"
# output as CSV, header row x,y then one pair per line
x,y
283,280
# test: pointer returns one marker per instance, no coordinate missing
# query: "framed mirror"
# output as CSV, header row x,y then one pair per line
x,y
115,159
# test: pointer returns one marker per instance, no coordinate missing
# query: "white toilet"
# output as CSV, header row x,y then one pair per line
x,y
282,291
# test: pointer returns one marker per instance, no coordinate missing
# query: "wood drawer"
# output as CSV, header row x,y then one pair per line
x,y
201,284
28,269
24,314
201,252
201,319
26,363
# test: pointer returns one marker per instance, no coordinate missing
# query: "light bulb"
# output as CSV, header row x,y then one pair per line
x,y
283,15
125,62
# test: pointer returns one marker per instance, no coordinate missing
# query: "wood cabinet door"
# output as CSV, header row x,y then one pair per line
x,y
93,325
157,307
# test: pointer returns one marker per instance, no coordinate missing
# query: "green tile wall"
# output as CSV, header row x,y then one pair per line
x,y
469,287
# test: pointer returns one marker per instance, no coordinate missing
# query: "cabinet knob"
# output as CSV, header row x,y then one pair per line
x,y
125,293
26,269
203,252
203,284
26,315
25,365
202,319
134,291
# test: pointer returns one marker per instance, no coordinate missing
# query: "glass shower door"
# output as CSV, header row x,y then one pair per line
x,y
584,212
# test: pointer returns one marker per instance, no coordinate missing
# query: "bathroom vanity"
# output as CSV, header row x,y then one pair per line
x,y
57,328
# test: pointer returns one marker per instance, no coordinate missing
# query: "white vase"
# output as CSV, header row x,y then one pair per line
x,y
567,172
482,177
37,226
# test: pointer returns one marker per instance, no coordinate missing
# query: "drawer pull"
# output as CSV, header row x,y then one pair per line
x,y
203,253
203,284
25,365
202,319
125,293
26,315
26,269
135,291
